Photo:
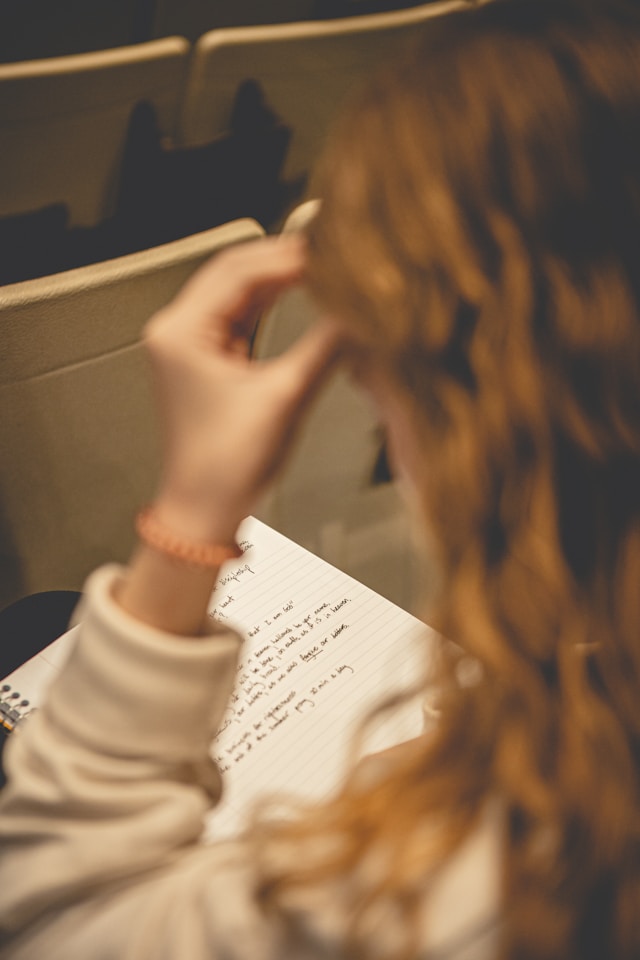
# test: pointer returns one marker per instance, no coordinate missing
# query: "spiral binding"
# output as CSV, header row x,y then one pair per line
x,y
13,708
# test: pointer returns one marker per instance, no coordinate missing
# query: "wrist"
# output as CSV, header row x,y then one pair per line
x,y
155,534
194,518
169,595
173,571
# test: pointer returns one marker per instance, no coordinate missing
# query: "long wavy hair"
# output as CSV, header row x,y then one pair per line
x,y
480,234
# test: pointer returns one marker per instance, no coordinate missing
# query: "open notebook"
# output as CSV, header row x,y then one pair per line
x,y
321,651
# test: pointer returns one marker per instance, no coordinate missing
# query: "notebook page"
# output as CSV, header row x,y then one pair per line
x,y
321,651
22,690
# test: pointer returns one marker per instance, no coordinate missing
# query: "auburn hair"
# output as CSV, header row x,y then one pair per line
x,y
480,233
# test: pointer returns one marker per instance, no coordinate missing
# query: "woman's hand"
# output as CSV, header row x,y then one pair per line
x,y
228,422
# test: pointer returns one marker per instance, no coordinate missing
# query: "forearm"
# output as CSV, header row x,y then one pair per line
x,y
227,422
164,591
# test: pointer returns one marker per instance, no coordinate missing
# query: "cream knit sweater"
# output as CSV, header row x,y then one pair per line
x,y
100,822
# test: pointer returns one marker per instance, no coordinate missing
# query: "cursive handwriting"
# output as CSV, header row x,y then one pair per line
x,y
291,648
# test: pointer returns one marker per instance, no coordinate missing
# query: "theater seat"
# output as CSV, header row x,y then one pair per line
x,y
304,72
192,18
64,122
78,444
332,497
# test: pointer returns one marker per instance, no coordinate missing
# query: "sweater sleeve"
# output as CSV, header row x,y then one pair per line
x,y
112,776
102,816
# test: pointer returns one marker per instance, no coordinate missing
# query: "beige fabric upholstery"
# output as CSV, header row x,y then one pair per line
x,y
64,122
325,498
305,71
78,444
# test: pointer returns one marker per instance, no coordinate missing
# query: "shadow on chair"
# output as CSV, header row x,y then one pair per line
x,y
168,192
165,193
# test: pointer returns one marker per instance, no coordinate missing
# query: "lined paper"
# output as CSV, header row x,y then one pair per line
x,y
321,651
29,682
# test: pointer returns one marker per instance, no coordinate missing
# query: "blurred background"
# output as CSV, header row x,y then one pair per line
x,y
137,137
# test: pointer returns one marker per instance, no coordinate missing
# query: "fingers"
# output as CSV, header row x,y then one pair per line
x,y
216,310
241,281
212,316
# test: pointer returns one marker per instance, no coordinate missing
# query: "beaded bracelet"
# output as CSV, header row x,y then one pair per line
x,y
153,533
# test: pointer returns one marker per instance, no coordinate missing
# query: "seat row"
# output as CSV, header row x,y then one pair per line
x,y
33,29
69,124
78,437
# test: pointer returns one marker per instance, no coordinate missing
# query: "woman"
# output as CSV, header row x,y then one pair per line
x,y
477,250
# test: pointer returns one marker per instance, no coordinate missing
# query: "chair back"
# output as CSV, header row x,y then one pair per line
x,y
304,71
64,122
78,440
329,497
192,18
